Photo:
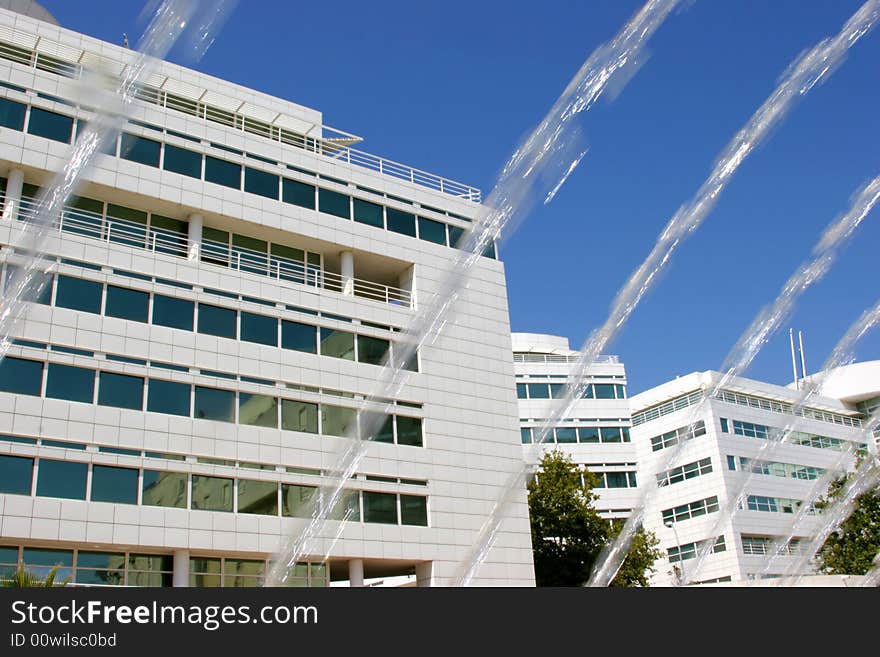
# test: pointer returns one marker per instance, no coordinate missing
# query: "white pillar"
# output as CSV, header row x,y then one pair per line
x,y
346,270
424,573
180,578
196,222
356,572
407,281
14,181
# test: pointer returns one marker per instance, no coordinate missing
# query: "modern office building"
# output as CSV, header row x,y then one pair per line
x,y
597,432
222,293
724,443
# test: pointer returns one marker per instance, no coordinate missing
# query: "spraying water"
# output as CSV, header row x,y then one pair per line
x,y
805,73
545,159
841,355
170,19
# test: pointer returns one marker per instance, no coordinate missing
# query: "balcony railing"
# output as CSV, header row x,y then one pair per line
x,y
561,358
158,240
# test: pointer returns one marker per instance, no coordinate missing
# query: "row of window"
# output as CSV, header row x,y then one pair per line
x,y
88,386
671,406
676,436
691,550
773,504
160,310
567,435
779,407
615,479
149,152
764,432
775,468
74,480
761,545
557,391
691,510
686,471
94,568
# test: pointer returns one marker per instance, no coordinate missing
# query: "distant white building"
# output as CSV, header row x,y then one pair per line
x,y
597,432
722,439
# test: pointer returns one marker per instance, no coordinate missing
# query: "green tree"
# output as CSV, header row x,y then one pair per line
x,y
24,579
568,533
851,549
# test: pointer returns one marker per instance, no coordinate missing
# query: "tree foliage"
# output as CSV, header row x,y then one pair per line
x,y
568,533
851,549
24,579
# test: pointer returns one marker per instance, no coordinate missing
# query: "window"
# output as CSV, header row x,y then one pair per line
x,y
50,125
414,510
121,391
299,337
173,313
12,114
691,510
100,568
259,329
432,231
45,296
616,480
566,435
687,471
604,390
214,320
119,485
334,203
258,410
40,562
259,497
168,397
612,435
295,500
140,150
182,161
211,493
672,438
71,383
588,392
588,434
724,426
222,172
336,420
386,430
297,193
127,304
368,213
557,390
23,377
539,391
409,431
77,294
338,344
521,391
164,489
261,183
62,479
372,350
126,226
150,570
299,416
401,222
380,507
16,473
213,404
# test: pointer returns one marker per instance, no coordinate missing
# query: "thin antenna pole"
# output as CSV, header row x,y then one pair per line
x,y
793,359
803,358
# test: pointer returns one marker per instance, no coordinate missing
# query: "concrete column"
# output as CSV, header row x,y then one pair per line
x,y
346,270
180,577
356,572
424,573
196,221
407,281
14,181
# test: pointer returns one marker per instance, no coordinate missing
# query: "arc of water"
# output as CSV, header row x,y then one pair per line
x,y
806,72
170,20
841,355
536,159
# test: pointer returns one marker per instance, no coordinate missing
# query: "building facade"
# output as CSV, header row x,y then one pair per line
x,y
223,291
597,432
722,444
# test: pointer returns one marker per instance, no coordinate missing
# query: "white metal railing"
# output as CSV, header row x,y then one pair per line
x,y
122,231
561,358
328,147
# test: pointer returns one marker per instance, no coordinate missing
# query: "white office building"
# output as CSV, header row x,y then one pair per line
x,y
596,434
223,290
722,448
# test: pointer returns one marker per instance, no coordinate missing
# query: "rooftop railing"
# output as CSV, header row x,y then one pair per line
x,y
561,358
121,231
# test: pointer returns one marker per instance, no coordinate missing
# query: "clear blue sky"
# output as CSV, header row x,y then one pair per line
x,y
451,87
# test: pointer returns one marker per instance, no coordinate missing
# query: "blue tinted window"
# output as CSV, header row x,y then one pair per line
x,y
368,213
15,475
604,390
213,404
182,161
62,479
299,337
380,507
111,484
539,391
140,150
50,125
414,510
12,114
409,431
261,183
372,350
24,377
566,435
70,383
171,312
401,222
526,435
297,193
169,397
521,391
455,235
214,320
78,294
432,231
222,172
334,203
121,391
259,328
127,304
